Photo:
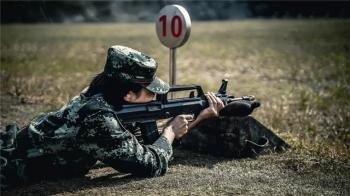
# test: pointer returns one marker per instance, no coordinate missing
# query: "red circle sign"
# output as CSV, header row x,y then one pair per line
x,y
173,26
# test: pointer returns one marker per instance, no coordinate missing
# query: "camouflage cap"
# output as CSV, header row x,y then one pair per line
x,y
130,65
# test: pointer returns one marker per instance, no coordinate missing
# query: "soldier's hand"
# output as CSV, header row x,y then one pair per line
x,y
215,105
179,125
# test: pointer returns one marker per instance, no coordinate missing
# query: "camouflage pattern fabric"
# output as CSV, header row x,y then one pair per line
x,y
129,64
233,137
7,146
133,66
69,141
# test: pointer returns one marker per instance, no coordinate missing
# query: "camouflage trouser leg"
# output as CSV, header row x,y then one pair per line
x,y
13,174
232,137
12,170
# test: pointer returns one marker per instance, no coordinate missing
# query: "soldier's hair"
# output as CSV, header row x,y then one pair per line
x,y
112,89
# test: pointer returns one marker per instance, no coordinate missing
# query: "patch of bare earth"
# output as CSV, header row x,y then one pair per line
x,y
195,174
17,110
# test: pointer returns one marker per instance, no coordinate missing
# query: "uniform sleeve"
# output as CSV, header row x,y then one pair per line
x,y
103,137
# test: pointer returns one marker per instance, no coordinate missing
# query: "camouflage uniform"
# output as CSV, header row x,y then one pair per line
x,y
69,141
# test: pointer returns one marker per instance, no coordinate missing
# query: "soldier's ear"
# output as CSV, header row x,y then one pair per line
x,y
130,96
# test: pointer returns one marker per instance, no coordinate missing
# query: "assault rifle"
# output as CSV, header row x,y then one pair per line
x,y
146,114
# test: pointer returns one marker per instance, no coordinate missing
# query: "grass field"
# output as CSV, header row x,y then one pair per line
x,y
299,69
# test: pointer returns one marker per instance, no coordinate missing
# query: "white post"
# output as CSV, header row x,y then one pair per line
x,y
172,69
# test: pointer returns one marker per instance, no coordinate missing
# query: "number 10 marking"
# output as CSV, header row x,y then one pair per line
x,y
176,20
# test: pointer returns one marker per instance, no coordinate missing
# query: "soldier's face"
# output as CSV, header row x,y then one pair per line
x,y
143,96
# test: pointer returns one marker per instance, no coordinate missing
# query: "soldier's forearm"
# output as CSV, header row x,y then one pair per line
x,y
194,123
169,134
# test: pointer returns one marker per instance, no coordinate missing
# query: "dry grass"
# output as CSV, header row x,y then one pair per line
x,y
299,69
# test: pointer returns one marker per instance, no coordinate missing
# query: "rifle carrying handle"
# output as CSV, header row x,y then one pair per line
x,y
175,88
186,88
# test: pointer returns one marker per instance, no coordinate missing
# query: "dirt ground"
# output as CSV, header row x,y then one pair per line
x,y
193,174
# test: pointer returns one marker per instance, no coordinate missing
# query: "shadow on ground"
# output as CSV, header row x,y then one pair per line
x,y
72,185
101,175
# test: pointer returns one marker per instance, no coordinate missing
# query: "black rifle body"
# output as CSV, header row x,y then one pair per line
x,y
146,114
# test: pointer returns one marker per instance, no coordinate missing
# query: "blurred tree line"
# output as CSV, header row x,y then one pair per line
x,y
136,10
